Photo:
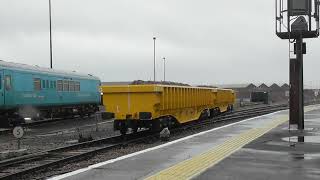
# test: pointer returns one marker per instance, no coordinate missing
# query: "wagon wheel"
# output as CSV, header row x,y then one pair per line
x,y
135,127
155,125
123,129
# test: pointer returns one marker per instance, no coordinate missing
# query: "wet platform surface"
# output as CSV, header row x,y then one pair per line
x,y
258,148
279,154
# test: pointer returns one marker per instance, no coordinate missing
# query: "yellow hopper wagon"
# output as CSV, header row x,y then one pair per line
x,y
160,106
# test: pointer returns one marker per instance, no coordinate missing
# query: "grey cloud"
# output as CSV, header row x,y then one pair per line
x,y
204,41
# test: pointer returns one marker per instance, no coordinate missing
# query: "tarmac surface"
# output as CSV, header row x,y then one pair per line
x,y
257,148
276,155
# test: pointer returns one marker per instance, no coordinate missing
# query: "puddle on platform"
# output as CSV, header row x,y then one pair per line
x,y
312,116
298,156
308,139
294,128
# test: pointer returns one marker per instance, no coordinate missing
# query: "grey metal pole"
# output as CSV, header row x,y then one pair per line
x,y
299,47
296,87
154,59
294,90
164,69
50,34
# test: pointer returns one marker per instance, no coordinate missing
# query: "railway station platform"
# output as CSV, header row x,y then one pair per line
x,y
256,148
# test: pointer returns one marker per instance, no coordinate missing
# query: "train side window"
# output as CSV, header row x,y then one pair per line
x,y
54,85
60,85
8,84
51,84
43,84
77,86
37,84
71,85
65,85
47,84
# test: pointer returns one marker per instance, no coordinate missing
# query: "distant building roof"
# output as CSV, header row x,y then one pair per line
x,y
275,86
263,86
285,86
236,86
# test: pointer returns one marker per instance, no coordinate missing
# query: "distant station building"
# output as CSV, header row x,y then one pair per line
x,y
311,95
275,87
286,88
276,93
243,91
263,87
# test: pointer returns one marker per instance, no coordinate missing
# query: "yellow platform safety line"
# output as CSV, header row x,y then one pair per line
x,y
198,164
194,166
190,168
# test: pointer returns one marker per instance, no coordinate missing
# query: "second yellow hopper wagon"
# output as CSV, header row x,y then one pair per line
x,y
159,106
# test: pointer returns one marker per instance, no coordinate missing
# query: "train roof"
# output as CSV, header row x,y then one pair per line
x,y
25,67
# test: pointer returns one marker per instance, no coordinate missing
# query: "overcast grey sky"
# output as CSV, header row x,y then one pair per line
x,y
204,41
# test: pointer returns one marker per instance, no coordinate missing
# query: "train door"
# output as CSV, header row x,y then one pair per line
x,y
8,88
1,88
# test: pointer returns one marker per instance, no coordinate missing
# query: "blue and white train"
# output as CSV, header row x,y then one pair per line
x,y
31,92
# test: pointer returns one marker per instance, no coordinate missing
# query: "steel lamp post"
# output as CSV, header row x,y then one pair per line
x,y
154,59
50,31
164,69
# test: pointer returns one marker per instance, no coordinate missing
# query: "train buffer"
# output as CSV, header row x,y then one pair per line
x,y
256,148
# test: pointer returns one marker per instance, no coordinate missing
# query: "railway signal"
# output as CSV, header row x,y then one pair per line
x,y
18,133
295,21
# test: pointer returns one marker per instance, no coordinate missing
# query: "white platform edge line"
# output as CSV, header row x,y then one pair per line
x,y
151,149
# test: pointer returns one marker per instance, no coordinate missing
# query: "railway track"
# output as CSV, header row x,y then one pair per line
x,y
47,121
235,116
17,167
51,122
42,161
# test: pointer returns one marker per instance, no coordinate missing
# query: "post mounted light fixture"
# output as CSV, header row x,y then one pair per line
x,y
299,7
296,20
287,11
